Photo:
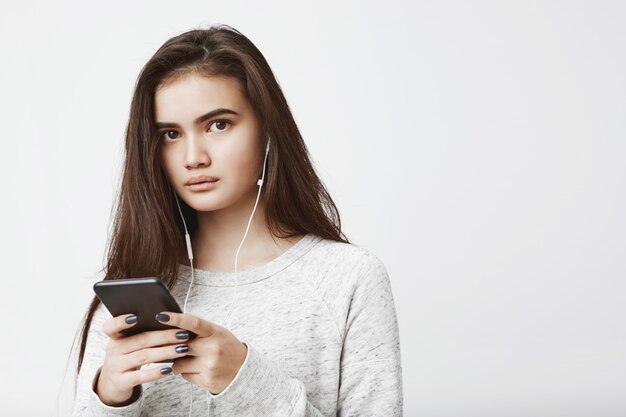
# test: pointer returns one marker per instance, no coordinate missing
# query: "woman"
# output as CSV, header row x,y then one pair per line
x,y
290,318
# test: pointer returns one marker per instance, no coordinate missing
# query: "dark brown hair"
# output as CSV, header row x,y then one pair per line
x,y
147,236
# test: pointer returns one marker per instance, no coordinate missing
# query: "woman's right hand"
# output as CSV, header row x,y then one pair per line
x,y
125,355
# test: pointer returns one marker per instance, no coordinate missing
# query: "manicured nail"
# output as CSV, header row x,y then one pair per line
x,y
182,335
162,317
131,319
165,371
182,349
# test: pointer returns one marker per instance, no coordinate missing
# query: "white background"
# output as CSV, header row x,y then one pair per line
x,y
477,147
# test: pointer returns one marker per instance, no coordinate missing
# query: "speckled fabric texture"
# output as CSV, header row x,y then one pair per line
x,y
322,335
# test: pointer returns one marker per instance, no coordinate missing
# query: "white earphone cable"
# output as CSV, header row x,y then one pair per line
x,y
256,203
225,321
189,252
190,255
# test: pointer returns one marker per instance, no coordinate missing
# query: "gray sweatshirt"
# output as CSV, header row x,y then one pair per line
x,y
320,325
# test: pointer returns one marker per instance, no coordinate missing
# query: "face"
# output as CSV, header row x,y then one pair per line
x,y
211,149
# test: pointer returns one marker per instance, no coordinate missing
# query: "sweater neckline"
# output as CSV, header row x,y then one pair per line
x,y
227,279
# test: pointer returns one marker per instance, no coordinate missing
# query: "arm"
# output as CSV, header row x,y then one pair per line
x,y
371,380
239,380
371,373
262,389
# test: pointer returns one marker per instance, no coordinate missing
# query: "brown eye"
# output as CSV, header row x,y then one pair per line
x,y
220,125
170,135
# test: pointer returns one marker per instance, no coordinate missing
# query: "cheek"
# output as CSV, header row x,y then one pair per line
x,y
168,164
247,167
243,160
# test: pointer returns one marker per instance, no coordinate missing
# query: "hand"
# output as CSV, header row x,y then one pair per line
x,y
124,355
215,356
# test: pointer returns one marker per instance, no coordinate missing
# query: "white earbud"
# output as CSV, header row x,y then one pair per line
x,y
262,179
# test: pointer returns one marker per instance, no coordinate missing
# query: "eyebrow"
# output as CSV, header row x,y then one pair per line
x,y
200,119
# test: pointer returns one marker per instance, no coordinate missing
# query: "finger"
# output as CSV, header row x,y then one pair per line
x,y
190,322
142,357
151,339
143,376
114,326
204,346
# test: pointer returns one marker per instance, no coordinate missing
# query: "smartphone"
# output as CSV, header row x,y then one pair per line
x,y
144,297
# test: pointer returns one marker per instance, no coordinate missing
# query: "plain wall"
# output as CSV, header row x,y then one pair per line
x,y
478,148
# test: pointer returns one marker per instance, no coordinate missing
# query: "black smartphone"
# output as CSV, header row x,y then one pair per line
x,y
144,297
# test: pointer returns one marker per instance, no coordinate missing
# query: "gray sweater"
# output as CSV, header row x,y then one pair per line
x,y
320,325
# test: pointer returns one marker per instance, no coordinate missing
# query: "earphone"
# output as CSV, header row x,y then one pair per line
x,y
267,151
260,183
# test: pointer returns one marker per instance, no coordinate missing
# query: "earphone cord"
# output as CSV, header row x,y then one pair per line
x,y
189,252
190,255
256,203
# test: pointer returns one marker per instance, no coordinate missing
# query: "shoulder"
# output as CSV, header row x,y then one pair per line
x,y
353,283
345,265
346,254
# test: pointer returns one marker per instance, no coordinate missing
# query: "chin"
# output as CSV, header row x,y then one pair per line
x,y
206,202
213,202
204,206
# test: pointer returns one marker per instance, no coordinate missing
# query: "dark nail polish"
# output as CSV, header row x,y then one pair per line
x,y
182,349
162,317
182,335
166,371
131,319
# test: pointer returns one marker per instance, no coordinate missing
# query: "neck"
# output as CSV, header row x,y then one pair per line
x,y
220,232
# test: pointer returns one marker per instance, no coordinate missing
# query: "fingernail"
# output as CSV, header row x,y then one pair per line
x,y
162,317
182,335
131,319
182,349
165,371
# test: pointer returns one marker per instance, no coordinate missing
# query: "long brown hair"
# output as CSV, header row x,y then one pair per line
x,y
147,235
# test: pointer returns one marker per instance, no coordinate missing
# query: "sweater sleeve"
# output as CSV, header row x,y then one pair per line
x,y
87,403
371,373
262,389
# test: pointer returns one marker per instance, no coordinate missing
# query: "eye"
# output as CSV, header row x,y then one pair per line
x,y
220,125
166,135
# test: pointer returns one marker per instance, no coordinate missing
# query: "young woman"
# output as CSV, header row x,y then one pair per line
x,y
290,318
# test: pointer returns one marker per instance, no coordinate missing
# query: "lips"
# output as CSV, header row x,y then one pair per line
x,y
201,179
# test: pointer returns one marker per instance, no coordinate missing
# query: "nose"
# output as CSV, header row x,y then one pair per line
x,y
196,152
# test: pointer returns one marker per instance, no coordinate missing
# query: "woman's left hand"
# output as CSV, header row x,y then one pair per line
x,y
215,355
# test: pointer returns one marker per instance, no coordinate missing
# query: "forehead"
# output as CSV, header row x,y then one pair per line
x,y
184,98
